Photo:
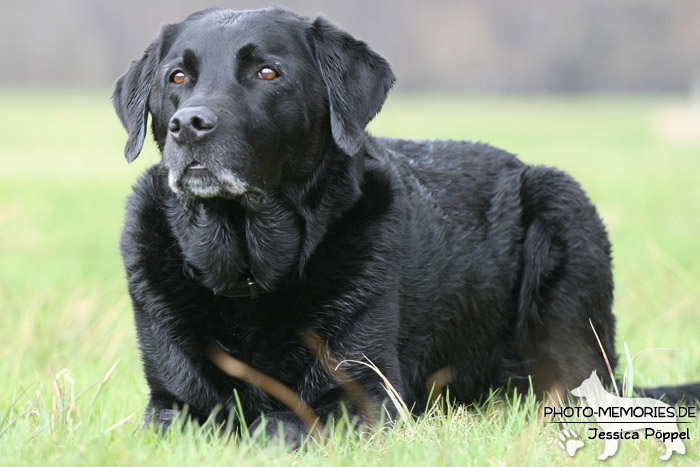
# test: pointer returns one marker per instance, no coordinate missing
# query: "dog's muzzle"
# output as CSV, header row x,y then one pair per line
x,y
198,181
188,130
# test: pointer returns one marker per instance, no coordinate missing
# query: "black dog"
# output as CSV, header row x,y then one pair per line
x,y
273,214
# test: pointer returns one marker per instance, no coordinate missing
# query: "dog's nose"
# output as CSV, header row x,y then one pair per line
x,y
191,124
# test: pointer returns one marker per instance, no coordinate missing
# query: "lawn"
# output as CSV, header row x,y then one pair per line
x,y
73,390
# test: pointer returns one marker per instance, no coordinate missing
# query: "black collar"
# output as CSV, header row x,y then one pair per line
x,y
244,288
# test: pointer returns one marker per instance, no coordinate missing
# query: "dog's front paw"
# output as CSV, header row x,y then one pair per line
x,y
279,426
161,419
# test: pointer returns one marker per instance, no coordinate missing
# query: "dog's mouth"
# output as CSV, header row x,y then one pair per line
x,y
199,181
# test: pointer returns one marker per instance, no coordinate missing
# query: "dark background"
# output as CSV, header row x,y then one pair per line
x,y
494,46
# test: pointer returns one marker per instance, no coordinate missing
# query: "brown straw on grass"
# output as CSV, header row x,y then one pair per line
x,y
271,386
333,367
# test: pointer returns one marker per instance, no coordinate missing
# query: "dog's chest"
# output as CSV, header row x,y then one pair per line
x,y
263,333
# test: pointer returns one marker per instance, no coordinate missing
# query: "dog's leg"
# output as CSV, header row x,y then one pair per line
x,y
288,426
566,283
358,395
283,425
158,415
555,396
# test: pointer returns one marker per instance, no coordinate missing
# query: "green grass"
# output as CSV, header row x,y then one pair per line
x,y
65,317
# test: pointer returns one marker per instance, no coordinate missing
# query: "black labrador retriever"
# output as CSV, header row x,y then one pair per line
x,y
273,214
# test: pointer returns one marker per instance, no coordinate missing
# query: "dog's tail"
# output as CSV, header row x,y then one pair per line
x,y
684,394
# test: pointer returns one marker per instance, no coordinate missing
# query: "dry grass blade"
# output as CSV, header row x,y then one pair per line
x,y
394,395
63,401
271,386
624,376
332,366
650,350
120,423
605,357
6,421
104,381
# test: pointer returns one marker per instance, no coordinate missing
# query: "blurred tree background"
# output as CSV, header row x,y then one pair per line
x,y
495,46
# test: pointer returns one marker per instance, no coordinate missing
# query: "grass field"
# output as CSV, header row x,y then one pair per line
x,y
72,389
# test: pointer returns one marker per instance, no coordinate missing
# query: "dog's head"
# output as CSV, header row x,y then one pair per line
x,y
242,102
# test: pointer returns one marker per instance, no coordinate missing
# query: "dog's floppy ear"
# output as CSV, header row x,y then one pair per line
x,y
130,98
357,79
133,88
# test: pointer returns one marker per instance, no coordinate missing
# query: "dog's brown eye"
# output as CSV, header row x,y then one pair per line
x,y
178,77
267,74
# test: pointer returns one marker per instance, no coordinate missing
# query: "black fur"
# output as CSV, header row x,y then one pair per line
x,y
419,255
